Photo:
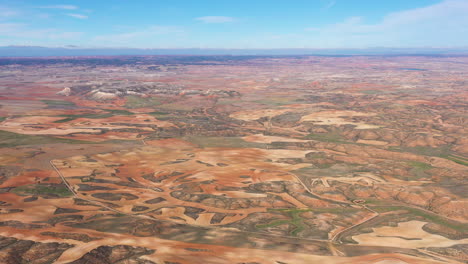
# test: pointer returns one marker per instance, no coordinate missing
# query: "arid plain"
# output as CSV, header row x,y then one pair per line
x,y
234,159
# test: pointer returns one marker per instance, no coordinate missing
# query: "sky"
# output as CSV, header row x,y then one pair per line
x,y
234,24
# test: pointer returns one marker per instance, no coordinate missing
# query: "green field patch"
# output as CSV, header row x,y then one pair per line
x,y
122,142
328,137
336,169
108,113
442,151
157,113
316,155
58,103
371,91
2,118
420,165
119,112
134,101
65,120
375,202
273,224
163,116
10,139
38,189
90,116
178,107
458,159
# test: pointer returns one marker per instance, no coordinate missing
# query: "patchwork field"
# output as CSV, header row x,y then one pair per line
x,y
259,160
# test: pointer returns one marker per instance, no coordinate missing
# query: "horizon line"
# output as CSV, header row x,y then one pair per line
x,y
14,51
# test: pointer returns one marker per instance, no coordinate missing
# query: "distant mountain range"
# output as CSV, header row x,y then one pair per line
x,y
37,51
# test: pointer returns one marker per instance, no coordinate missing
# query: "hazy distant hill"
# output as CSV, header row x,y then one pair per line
x,y
33,51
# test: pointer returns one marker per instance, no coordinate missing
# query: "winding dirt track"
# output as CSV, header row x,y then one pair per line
x,y
97,203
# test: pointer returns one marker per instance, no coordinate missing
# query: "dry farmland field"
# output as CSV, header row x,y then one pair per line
x,y
234,159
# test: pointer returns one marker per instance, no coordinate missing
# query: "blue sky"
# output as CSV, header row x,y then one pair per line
x,y
235,23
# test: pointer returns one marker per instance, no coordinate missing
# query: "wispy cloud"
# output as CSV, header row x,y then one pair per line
x,y
329,4
43,16
67,35
147,34
79,16
9,28
443,22
24,31
215,19
65,7
6,12
349,25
